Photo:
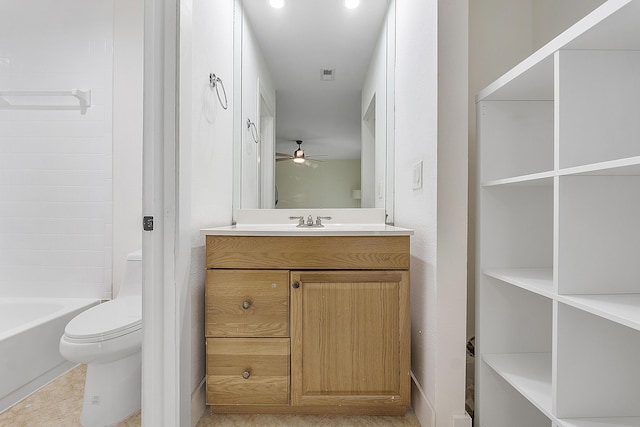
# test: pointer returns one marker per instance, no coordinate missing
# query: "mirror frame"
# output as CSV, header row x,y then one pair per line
x,y
387,188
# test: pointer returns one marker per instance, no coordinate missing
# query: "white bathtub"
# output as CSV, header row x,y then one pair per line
x,y
30,330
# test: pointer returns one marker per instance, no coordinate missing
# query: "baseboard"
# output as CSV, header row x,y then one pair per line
x,y
421,406
198,405
462,420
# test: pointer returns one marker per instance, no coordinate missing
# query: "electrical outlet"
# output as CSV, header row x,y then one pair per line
x,y
417,176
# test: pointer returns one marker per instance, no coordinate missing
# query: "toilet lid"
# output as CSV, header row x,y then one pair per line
x,y
107,320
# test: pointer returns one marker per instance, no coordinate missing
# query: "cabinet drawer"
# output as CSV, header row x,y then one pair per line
x,y
247,303
248,371
309,252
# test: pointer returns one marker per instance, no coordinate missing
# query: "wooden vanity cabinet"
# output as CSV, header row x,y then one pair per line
x,y
316,324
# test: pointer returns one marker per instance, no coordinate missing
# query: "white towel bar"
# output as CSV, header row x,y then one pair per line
x,y
83,97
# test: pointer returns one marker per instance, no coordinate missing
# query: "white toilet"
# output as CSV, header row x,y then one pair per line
x,y
108,338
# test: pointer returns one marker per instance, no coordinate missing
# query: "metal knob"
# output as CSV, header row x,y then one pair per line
x,y
295,285
246,305
246,374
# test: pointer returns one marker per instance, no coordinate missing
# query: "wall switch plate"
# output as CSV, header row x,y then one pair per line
x,y
417,176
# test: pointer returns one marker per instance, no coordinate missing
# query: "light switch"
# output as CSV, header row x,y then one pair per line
x,y
417,175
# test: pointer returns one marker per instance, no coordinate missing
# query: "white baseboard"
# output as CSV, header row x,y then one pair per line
x,y
198,406
421,406
462,420
424,409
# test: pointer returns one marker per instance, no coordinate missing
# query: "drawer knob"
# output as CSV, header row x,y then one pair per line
x,y
295,284
246,374
246,305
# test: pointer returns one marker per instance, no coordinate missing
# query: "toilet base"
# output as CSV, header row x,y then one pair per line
x,y
112,391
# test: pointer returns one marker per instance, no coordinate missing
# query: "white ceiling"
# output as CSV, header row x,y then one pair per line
x,y
300,40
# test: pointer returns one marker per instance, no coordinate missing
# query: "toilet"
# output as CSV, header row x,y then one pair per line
x,y
108,338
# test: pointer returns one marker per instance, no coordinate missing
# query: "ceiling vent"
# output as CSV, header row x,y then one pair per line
x,y
328,74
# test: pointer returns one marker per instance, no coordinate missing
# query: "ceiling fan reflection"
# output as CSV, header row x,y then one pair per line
x,y
298,156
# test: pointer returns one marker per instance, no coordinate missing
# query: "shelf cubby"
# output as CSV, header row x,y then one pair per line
x,y
517,138
599,234
598,92
520,321
597,370
527,373
517,225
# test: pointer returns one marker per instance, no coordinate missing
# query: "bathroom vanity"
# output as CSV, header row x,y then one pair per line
x,y
307,320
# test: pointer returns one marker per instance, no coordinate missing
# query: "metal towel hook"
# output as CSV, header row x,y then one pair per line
x,y
215,82
254,130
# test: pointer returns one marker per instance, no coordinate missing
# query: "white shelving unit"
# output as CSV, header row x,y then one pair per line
x,y
558,298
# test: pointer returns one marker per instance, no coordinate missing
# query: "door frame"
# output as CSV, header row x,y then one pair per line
x,y
162,390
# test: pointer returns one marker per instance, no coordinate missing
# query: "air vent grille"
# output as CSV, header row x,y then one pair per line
x,y
328,74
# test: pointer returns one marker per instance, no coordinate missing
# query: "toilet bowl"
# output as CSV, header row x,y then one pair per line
x,y
108,338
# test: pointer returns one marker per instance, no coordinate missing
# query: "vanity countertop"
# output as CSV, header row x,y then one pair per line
x,y
293,230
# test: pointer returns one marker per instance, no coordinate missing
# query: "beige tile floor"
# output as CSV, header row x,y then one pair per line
x,y
58,404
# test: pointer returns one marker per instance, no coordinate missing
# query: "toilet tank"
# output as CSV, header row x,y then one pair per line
x,y
132,283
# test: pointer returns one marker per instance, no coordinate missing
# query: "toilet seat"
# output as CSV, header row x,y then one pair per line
x,y
106,321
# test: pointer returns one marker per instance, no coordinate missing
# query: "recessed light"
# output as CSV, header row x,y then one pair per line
x,y
277,4
351,4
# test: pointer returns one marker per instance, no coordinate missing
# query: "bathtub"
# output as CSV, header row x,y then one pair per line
x,y
30,331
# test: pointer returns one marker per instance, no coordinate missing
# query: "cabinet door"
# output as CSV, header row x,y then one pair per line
x,y
350,342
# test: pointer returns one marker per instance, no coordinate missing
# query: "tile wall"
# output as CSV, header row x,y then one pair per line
x,y
55,159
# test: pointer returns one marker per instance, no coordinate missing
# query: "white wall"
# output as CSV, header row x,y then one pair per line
x,y
317,185
416,103
206,170
552,17
431,122
127,133
56,165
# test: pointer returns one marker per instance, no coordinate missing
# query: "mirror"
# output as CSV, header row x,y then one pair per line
x,y
314,76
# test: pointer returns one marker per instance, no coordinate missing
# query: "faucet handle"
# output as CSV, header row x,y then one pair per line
x,y
300,220
320,218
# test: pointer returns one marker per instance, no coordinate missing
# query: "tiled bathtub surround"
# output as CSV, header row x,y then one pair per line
x,y
55,163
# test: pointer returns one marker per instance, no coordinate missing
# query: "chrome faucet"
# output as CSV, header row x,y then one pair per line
x,y
300,220
309,222
319,220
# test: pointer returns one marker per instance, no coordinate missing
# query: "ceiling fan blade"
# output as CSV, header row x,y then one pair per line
x,y
283,155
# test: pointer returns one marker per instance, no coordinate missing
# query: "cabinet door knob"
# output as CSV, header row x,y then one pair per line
x,y
246,374
246,305
295,285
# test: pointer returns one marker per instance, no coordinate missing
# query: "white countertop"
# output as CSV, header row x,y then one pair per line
x,y
293,230
276,222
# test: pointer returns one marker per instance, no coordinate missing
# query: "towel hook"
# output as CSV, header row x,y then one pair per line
x,y
254,130
215,82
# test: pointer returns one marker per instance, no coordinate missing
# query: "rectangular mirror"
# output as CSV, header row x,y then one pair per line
x,y
314,97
